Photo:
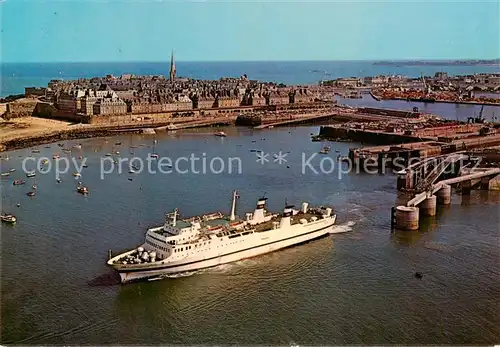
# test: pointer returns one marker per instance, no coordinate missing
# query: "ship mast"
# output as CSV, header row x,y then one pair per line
x,y
174,217
233,205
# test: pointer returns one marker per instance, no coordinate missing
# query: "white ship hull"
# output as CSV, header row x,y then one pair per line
x,y
247,247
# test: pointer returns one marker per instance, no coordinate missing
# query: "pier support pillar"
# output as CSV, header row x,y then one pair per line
x,y
401,182
406,218
428,206
410,179
466,187
444,195
485,183
381,162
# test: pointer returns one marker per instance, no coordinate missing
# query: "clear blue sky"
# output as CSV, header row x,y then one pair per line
x,y
139,30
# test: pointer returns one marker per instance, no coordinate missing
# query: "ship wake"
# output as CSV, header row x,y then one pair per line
x,y
343,228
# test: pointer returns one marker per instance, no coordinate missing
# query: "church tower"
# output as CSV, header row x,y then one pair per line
x,y
172,67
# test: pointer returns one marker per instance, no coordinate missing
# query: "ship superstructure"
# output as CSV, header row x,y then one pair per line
x,y
183,245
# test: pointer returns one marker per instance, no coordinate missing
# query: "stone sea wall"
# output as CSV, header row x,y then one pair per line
x,y
20,108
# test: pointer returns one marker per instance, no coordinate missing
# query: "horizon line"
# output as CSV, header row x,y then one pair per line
x,y
256,61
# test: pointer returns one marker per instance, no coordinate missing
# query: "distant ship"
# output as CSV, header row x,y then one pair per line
x,y
183,245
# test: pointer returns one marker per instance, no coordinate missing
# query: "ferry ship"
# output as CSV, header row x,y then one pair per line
x,y
184,245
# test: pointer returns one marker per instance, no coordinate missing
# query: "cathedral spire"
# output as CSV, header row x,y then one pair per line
x,y
172,67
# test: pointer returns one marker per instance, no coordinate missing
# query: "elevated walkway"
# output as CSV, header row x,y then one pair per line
x,y
419,198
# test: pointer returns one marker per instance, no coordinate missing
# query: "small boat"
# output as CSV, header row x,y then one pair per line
x,y
5,174
31,193
8,218
12,170
324,150
18,182
48,146
117,152
34,187
108,154
77,146
130,179
82,190
30,174
77,174
154,155
35,151
220,134
85,166
67,150
58,180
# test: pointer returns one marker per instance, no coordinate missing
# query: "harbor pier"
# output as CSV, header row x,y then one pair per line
x,y
424,204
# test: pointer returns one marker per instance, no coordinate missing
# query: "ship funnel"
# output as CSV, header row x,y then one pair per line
x,y
287,213
258,214
328,212
261,202
305,205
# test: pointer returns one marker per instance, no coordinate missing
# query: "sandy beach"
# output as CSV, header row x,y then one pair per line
x,y
18,128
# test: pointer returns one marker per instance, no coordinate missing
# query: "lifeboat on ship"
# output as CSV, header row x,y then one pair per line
x,y
237,225
215,228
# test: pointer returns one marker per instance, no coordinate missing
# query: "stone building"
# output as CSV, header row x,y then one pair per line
x,y
206,102
87,104
229,101
279,99
109,106
66,103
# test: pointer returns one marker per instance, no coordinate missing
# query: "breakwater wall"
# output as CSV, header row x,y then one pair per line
x,y
461,102
19,108
388,112
46,110
248,120
366,136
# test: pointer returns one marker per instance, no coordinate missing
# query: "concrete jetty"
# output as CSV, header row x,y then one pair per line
x,y
424,204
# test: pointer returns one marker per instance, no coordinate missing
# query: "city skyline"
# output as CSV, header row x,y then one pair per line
x,y
247,31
